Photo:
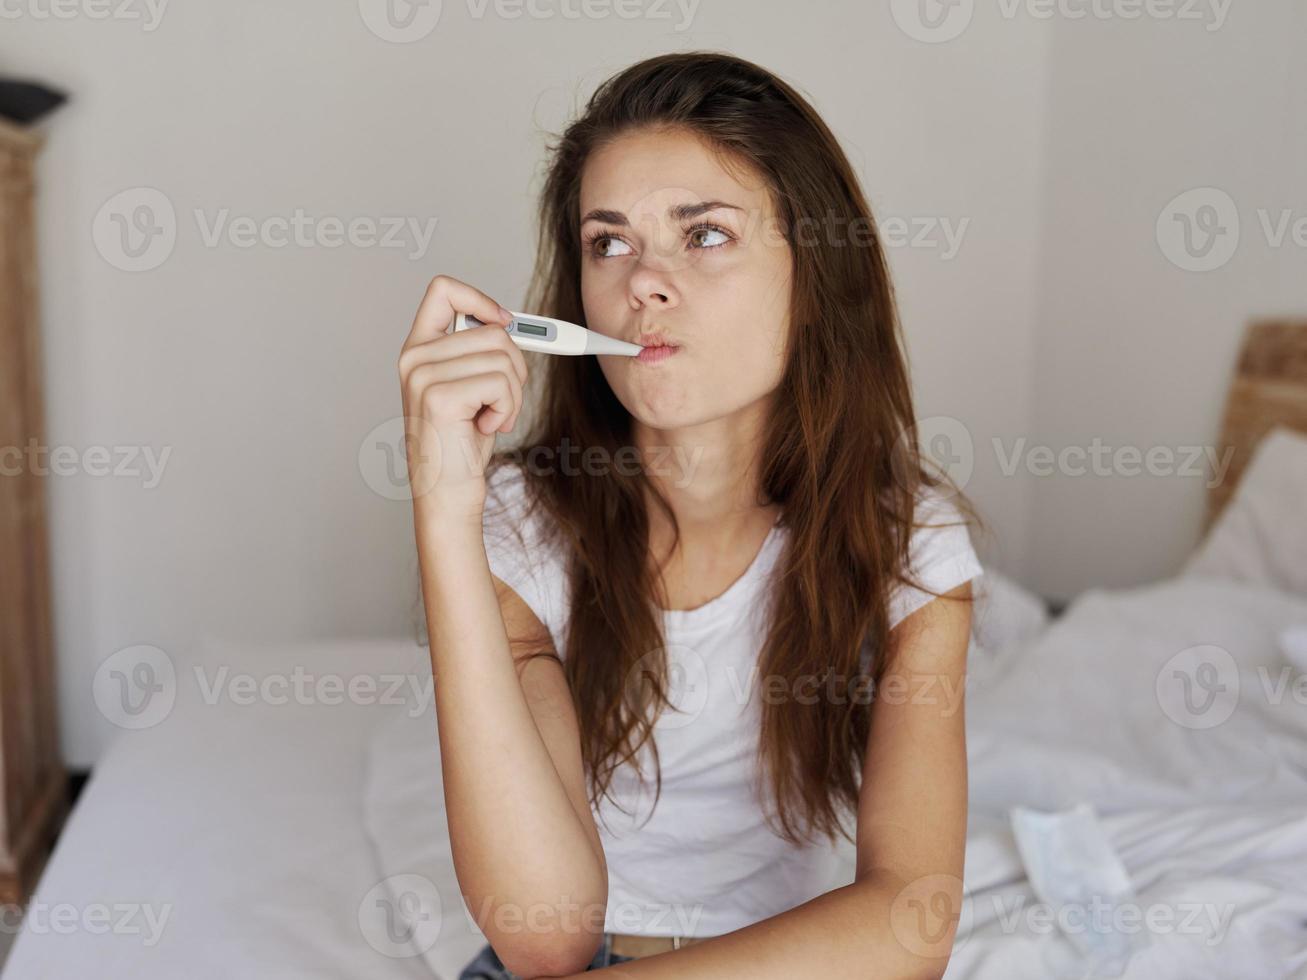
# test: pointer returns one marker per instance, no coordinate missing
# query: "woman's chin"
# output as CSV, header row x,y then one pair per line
x,y
670,415
658,403
657,413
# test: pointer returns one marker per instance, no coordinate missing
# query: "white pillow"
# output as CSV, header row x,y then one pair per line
x,y
404,818
1261,536
1006,614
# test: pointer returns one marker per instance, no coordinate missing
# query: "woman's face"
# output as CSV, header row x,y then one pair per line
x,y
715,281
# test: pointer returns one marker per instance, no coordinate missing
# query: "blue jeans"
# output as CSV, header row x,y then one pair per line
x,y
487,966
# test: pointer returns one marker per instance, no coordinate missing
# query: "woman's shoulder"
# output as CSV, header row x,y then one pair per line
x,y
504,475
940,553
508,505
518,549
937,506
510,517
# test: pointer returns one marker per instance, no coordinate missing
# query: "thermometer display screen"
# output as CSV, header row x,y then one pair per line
x,y
532,329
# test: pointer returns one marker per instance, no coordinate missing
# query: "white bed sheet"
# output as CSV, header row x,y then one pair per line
x,y
244,819
1210,822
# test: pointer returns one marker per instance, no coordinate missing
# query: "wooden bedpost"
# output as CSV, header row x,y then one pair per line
x,y
33,784
1269,388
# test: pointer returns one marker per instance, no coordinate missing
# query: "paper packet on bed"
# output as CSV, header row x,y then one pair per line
x,y
1074,870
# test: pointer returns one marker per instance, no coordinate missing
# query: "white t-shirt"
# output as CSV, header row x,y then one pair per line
x,y
705,862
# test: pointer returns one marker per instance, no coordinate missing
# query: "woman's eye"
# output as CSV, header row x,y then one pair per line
x,y
607,247
697,237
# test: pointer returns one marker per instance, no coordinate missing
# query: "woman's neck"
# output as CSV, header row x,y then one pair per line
x,y
709,474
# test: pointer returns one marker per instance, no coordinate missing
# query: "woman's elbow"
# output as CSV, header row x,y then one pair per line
x,y
557,955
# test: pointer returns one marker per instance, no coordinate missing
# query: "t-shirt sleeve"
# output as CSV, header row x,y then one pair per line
x,y
939,553
515,548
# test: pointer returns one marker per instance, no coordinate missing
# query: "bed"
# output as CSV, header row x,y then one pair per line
x,y
225,839
1177,709
240,837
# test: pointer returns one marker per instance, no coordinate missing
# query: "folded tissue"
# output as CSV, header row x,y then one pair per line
x,y
1075,872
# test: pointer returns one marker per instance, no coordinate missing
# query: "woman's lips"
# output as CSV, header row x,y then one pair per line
x,y
656,355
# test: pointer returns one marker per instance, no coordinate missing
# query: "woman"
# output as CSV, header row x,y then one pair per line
x,y
719,606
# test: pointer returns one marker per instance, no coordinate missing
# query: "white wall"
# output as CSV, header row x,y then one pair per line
x,y
263,369
1131,348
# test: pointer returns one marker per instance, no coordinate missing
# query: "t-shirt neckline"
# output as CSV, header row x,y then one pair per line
x,y
736,593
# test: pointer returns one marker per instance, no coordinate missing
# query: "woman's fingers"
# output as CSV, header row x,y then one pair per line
x,y
449,346
426,375
458,389
486,399
444,297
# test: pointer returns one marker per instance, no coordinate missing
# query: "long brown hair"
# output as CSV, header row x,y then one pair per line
x,y
840,453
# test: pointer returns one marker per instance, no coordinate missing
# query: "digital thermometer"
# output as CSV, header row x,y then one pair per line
x,y
549,336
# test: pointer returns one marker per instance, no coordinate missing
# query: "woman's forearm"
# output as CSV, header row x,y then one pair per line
x,y
880,928
525,863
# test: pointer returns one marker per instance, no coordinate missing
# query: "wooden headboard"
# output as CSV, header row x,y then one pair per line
x,y
1269,389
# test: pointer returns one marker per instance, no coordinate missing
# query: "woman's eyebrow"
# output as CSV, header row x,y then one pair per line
x,y
678,212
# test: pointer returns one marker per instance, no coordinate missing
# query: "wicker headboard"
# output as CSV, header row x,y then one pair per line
x,y
1269,389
